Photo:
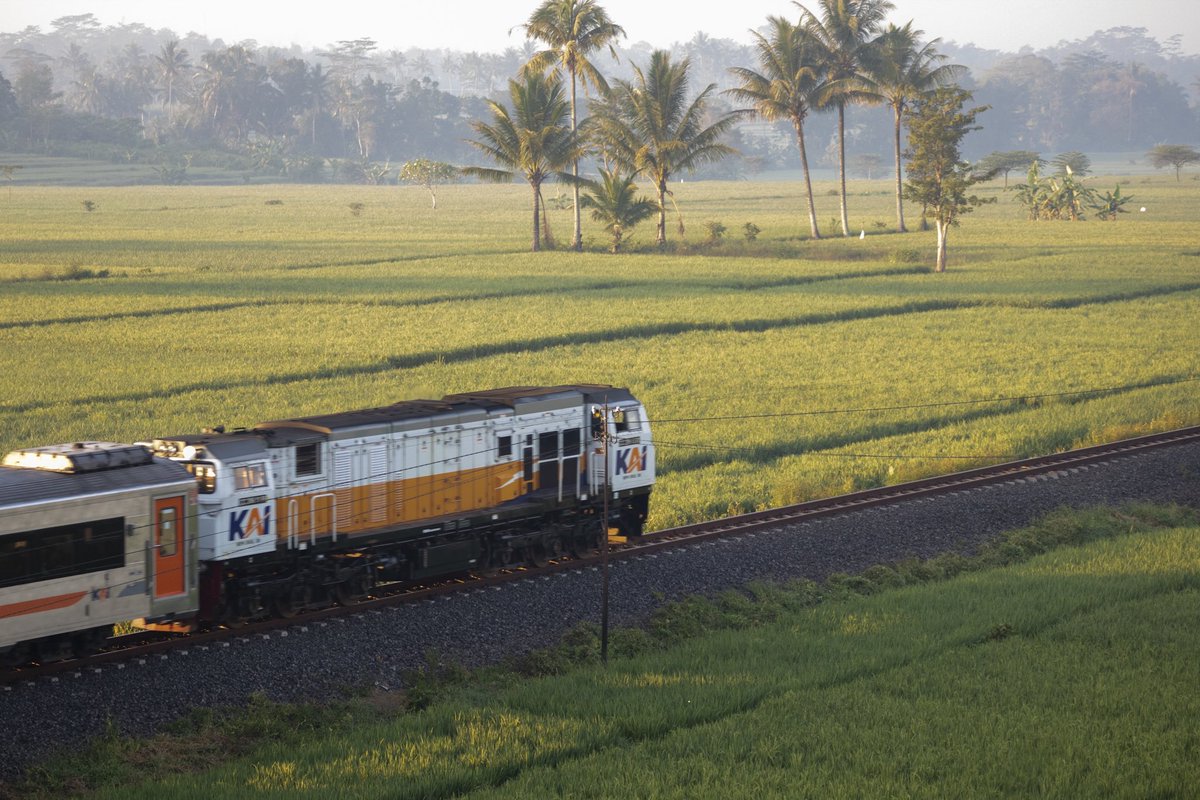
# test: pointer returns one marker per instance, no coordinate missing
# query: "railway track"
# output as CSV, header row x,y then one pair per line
x,y
143,646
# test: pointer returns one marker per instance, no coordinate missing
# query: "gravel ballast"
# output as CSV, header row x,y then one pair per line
x,y
482,626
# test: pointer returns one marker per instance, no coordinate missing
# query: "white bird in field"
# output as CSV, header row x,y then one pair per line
x,y
1143,209
862,234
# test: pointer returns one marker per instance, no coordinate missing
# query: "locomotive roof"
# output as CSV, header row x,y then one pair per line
x,y
451,409
22,486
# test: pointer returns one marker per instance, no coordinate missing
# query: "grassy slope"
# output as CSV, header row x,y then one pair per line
x,y
238,304
1070,675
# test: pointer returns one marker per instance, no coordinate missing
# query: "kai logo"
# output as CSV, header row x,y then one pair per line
x,y
248,523
632,459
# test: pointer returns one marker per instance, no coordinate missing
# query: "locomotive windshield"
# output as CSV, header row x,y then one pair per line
x,y
206,475
250,476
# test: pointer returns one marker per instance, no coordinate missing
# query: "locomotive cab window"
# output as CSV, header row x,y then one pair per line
x,y
250,476
597,422
620,420
205,473
308,460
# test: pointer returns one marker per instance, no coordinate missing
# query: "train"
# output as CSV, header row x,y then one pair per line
x,y
226,525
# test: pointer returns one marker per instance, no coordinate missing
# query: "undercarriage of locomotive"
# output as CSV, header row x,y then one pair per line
x,y
291,581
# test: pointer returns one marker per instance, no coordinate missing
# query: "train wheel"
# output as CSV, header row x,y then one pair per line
x,y
85,643
553,547
290,602
531,554
504,557
350,590
15,656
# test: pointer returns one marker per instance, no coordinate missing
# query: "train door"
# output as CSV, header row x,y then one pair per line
x,y
170,555
548,477
527,464
570,460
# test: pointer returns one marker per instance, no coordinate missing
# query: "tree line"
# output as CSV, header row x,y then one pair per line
x,y
128,91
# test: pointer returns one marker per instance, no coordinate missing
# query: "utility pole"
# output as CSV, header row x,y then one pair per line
x,y
604,545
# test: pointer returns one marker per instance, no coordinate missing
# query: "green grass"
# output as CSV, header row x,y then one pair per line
x,y
778,370
1034,669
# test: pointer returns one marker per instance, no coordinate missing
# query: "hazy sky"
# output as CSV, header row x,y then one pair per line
x,y
484,25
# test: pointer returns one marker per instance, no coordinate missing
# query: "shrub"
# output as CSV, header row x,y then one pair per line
x,y
904,255
715,231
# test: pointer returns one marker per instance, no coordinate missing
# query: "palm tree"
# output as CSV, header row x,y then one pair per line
x,y
614,204
171,64
843,32
647,127
899,71
571,29
535,139
786,88
318,93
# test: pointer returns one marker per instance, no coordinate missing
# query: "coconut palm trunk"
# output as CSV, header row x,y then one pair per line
x,y
661,238
808,192
842,166
577,236
537,218
899,175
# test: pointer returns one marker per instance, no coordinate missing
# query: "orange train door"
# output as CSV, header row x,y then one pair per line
x,y
169,553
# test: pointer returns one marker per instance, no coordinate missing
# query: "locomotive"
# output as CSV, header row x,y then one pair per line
x,y
226,525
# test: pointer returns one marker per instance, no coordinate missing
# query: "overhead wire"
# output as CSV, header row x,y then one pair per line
x,y
651,421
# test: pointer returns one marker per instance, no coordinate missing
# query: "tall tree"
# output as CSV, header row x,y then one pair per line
x,y
534,140
571,31
172,65
938,178
647,127
1174,155
1002,162
844,31
785,88
899,70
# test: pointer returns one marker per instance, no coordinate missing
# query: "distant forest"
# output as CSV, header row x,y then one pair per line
x,y
129,92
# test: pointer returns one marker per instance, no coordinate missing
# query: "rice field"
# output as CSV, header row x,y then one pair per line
x,y
774,370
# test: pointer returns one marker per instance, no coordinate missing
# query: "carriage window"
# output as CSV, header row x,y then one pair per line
x,y
13,555
504,447
62,551
206,475
308,460
250,476
166,532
